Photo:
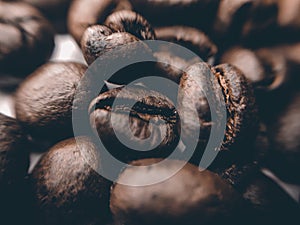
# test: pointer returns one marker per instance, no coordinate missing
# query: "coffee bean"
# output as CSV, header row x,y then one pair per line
x,y
188,37
270,203
26,39
66,187
268,24
84,13
14,163
44,100
229,20
284,137
172,12
145,119
54,10
207,199
14,160
130,22
99,40
265,68
288,14
111,49
224,84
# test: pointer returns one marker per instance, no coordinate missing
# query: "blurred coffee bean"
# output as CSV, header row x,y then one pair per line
x,y
271,204
271,22
289,13
272,72
189,37
85,13
26,39
66,187
207,199
54,10
284,135
195,13
264,68
44,100
14,163
229,20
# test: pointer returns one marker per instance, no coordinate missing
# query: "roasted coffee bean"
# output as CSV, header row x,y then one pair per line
x,y
111,49
54,10
145,119
44,100
99,40
265,68
270,23
189,37
66,187
14,163
230,15
291,53
261,21
196,13
84,13
130,22
14,160
271,204
225,85
288,14
270,70
284,136
206,198
26,39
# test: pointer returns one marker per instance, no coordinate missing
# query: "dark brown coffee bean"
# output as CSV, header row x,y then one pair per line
x,y
270,203
288,13
284,134
26,39
240,104
228,87
291,52
269,23
146,119
272,71
100,40
54,10
266,69
130,22
206,198
14,158
189,37
66,187
44,100
263,16
229,20
276,19
14,163
84,13
196,13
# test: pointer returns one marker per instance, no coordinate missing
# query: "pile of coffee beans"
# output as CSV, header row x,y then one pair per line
x,y
238,81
